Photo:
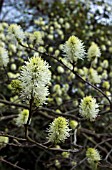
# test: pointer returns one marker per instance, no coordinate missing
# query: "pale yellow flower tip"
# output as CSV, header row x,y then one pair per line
x,y
58,130
4,58
93,51
93,155
89,109
22,118
74,49
16,31
35,78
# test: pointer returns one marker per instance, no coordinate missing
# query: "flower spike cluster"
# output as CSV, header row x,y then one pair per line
x,y
92,155
93,76
36,37
89,108
4,58
35,77
22,118
93,51
16,32
58,130
74,49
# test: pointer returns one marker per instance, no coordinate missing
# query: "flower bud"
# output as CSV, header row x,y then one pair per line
x,y
58,130
73,124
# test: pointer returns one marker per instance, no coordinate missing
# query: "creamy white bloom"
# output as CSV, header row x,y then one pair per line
x,y
22,118
36,37
4,58
89,109
35,77
58,130
93,76
93,51
16,32
93,155
74,49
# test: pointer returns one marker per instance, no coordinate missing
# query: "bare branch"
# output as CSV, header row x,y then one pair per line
x,y
11,164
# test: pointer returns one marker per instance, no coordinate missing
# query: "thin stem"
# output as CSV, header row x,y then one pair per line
x,y
94,166
52,149
96,88
13,104
29,117
11,164
10,136
39,145
83,160
75,137
108,154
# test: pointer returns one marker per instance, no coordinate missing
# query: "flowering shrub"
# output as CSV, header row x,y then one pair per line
x,y
51,80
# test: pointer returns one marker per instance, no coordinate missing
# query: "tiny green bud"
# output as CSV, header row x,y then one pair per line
x,y
56,53
65,154
73,124
13,67
50,49
60,69
106,85
110,49
103,47
16,85
59,100
57,164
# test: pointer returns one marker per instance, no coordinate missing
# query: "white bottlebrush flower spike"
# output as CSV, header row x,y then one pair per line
x,y
89,108
74,49
93,76
58,130
93,51
93,155
22,118
35,77
4,58
36,37
16,32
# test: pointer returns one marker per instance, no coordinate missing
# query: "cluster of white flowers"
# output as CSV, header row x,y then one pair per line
x,y
35,77
93,51
93,156
93,76
36,37
22,118
89,108
4,58
16,32
74,49
58,130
